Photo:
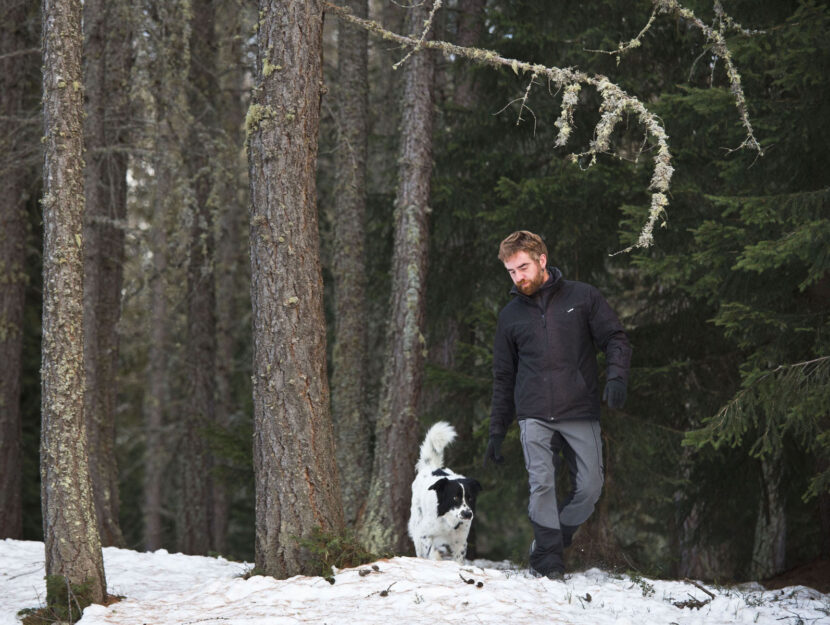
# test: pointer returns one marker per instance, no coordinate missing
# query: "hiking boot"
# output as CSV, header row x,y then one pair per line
x,y
554,574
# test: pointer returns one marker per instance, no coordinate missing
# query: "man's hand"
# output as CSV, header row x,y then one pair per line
x,y
493,452
614,394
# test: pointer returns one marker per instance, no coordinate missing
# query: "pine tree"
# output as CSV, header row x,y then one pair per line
x,y
107,64
349,353
396,429
13,176
73,545
297,487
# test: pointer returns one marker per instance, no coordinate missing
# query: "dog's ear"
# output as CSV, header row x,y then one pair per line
x,y
473,485
439,485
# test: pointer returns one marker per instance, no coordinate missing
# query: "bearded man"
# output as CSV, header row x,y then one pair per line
x,y
545,375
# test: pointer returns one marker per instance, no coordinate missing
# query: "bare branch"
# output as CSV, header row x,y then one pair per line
x,y
718,40
716,37
634,43
524,103
10,55
615,102
427,27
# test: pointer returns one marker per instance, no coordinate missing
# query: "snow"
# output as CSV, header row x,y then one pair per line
x,y
162,588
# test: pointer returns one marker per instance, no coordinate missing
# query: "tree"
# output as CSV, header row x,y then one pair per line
x,y
396,430
107,64
73,545
297,488
469,29
751,259
349,354
195,508
13,170
165,63
232,263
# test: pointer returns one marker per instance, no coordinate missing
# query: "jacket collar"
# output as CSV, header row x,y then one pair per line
x,y
546,291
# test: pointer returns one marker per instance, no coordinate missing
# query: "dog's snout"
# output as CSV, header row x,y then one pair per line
x,y
466,514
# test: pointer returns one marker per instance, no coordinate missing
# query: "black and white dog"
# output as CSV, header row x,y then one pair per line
x,y
442,501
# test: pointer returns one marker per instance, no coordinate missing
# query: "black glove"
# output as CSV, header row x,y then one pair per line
x,y
493,452
614,394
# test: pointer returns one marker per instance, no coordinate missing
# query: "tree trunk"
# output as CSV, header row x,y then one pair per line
x,y
470,27
157,395
769,550
107,63
230,247
822,465
196,483
294,459
12,263
697,557
396,432
169,67
350,349
73,546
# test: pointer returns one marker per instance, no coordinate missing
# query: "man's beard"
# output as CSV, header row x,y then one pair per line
x,y
529,287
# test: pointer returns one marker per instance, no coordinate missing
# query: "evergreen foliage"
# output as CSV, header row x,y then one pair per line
x,y
755,258
728,311
336,550
727,293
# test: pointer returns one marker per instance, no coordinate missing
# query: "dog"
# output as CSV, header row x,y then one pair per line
x,y
443,502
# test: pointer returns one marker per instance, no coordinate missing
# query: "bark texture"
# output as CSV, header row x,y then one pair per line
x,y
168,60
231,248
157,397
769,549
12,261
73,546
470,27
294,459
107,63
195,509
396,432
349,354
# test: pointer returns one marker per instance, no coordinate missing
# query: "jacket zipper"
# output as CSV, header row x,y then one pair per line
x,y
548,390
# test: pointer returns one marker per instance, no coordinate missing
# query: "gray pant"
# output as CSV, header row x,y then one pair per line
x,y
584,457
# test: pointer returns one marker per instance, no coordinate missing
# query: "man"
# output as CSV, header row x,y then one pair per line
x,y
545,374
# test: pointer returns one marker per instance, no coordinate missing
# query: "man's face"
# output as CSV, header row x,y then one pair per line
x,y
527,274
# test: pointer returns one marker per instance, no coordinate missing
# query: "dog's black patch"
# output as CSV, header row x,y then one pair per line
x,y
453,493
440,472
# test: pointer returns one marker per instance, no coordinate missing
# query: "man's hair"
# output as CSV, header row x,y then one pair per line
x,y
522,241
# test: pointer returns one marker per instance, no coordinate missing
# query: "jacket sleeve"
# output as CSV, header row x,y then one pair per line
x,y
609,336
505,362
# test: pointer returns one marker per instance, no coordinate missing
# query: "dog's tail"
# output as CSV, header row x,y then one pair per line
x,y
432,449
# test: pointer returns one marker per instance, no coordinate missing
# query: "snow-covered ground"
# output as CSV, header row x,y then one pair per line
x,y
163,588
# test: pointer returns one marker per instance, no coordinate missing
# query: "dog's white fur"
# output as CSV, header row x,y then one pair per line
x,y
437,537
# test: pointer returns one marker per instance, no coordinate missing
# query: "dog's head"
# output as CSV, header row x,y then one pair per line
x,y
456,499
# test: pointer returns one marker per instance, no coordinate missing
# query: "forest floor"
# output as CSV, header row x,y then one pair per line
x,y
172,589
815,574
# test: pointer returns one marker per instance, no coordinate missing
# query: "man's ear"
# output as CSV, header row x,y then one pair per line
x,y
439,485
543,260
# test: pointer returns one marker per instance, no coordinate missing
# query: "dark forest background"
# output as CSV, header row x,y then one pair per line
x,y
718,467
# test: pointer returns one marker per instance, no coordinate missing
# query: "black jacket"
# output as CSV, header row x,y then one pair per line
x,y
544,355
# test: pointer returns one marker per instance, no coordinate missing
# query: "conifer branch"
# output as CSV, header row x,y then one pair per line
x,y
790,398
